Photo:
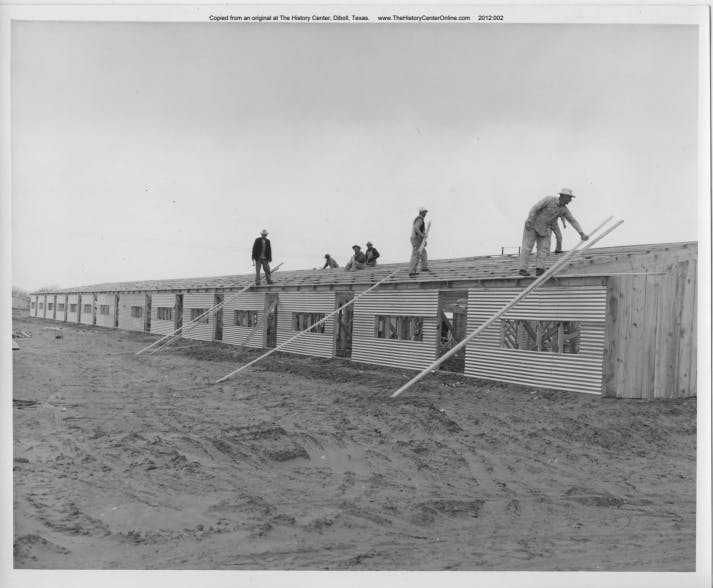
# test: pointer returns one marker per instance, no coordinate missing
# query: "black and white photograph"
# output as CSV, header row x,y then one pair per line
x,y
379,289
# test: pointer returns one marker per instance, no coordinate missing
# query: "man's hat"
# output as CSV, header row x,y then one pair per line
x,y
356,247
263,232
368,243
422,209
566,192
326,255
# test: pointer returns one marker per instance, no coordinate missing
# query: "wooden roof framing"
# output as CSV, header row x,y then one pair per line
x,y
602,261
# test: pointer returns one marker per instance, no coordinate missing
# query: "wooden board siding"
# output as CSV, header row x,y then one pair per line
x,y
72,317
580,372
201,331
106,320
248,336
651,334
126,321
85,318
163,327
35,302
319,344
367,348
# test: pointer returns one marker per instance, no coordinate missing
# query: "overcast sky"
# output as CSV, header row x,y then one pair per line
x,y
160,150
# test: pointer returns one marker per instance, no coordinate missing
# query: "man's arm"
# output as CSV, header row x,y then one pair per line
x,y
419,225
573,221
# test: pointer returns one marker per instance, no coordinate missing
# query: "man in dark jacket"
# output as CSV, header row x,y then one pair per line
x,y
371,254
262,256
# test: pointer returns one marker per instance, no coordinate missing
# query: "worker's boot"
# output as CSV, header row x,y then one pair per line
x,y
524,273
539,271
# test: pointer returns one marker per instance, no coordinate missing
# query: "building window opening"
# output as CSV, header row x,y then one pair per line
x,y
197,312
544,336
403,328
60,307
303,321
245,318
104,309
87,308
164,313
72,308
137,311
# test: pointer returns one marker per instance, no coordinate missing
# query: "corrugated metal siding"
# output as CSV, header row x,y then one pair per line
x,y
319,344
86,317
399,303
72,317
202,331
105,320
163,327
581,372
366,347
248,336
126,321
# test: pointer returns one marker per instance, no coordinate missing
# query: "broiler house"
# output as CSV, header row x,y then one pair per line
x,y
617,321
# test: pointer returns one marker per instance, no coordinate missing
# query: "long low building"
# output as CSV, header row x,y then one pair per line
x,y
617,321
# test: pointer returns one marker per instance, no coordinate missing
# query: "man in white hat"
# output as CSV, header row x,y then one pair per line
x,y
262,256
357,261
418,234
538,229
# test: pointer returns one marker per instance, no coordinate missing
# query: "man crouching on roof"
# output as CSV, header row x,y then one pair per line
x,y
358,260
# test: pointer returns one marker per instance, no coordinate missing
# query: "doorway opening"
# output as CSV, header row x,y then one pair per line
x,y
452,324
344,325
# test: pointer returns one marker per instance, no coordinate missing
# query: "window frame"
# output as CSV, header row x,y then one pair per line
x,y
399,327
307,321
557,337
196,312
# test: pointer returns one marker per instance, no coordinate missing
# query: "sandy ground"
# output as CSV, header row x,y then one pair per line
x,y
302,463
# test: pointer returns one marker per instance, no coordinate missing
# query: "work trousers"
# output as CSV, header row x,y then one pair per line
x,y
530,237
265,266
417,255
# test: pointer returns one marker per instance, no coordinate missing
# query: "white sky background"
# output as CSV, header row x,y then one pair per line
x,y
160,150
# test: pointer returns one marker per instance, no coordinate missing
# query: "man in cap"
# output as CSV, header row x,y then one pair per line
x,y
539,226
418,234
262,256
329,262
358,260
371,254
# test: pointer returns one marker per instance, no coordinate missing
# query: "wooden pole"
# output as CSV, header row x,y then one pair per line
x,y
536,284
254,361
188,327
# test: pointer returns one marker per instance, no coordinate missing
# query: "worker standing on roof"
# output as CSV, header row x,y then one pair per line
x,y
539,227
418,247
329,262
371,254
262,256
